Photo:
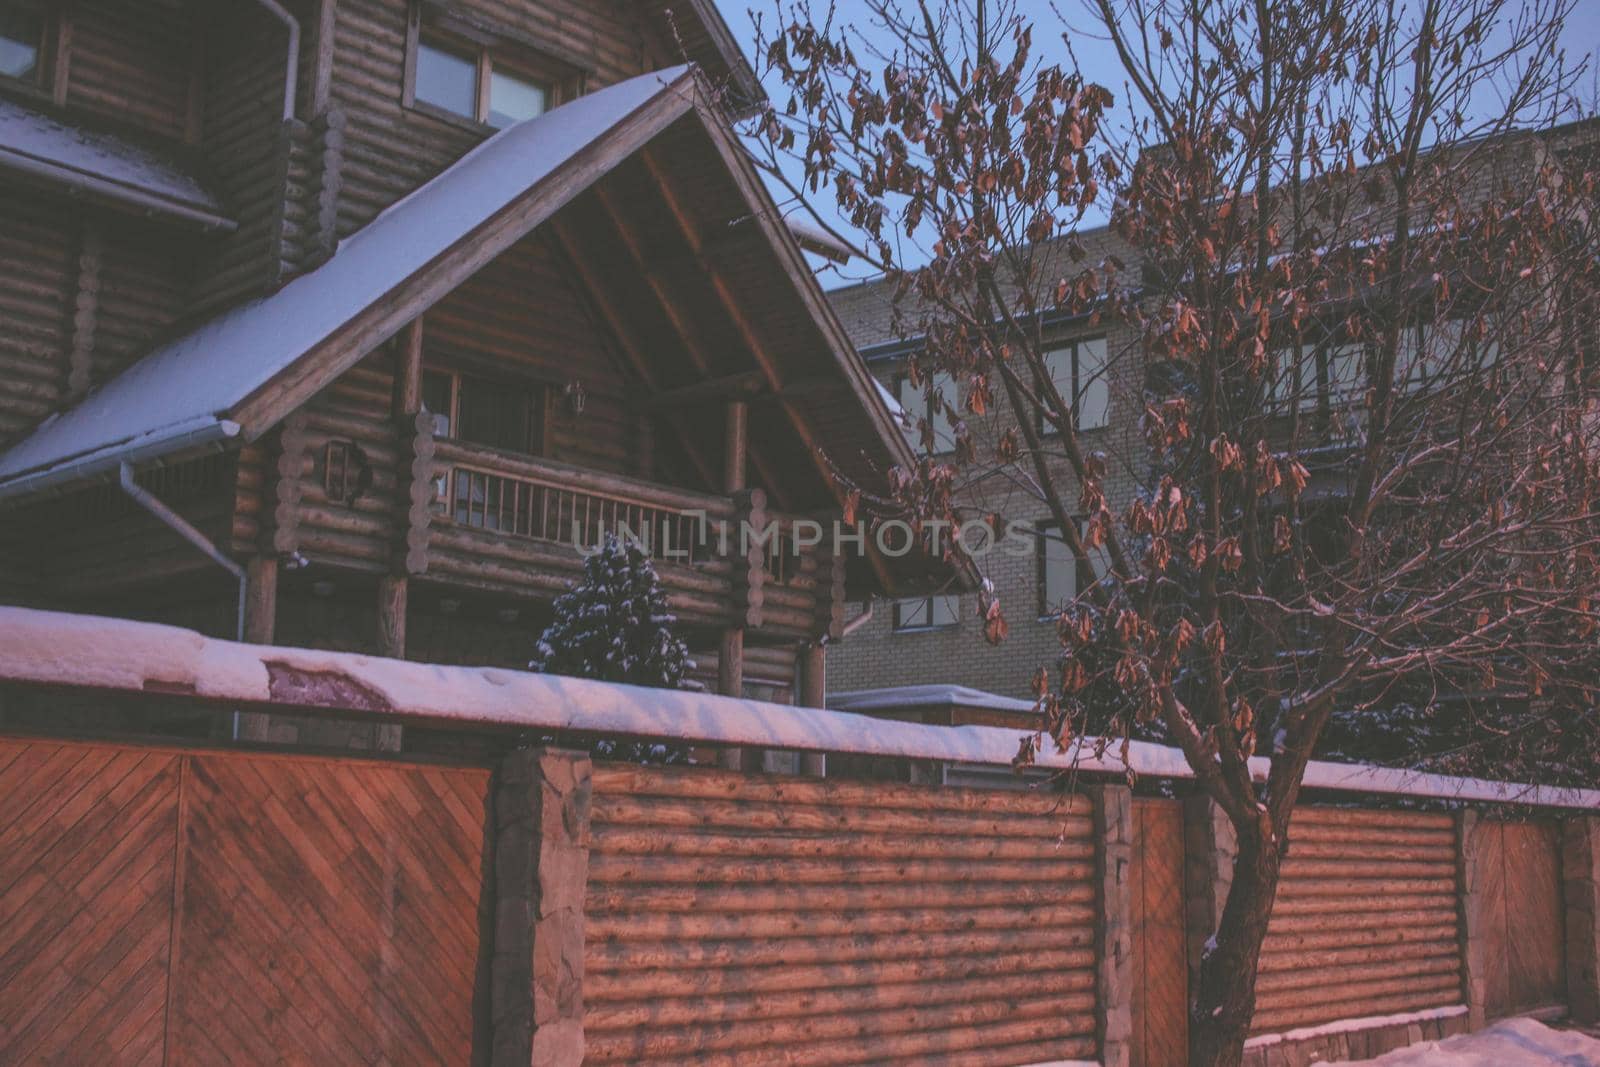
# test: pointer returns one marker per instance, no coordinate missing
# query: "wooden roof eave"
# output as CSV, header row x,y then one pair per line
x,y
853,368
380,320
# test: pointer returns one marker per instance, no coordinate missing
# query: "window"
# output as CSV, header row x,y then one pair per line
x,y
927,612
462,73
484,412
1078,369
1062,576
22,35
914,401
1325,373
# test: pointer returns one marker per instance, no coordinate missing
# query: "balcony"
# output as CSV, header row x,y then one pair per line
x,y
518,524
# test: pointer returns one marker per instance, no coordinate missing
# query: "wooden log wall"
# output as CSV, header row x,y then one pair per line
x,y
133,61
523,318
96,542
390,149
359,532
38,282
748,920
1366,921
262,168
81,296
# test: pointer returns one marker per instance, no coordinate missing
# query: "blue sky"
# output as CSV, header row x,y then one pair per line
x,y
1581,37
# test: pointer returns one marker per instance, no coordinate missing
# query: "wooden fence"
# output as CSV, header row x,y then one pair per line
x,y
189,905
161,907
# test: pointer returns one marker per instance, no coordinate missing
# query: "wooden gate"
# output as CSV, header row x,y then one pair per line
x,y
160,907
1524,940
1160,948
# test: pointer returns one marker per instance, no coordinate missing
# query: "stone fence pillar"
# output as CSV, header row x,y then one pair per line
x,y
541,869
1113,819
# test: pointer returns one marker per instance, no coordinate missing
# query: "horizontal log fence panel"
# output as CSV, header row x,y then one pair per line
x,y
734,919
183,908
1366,921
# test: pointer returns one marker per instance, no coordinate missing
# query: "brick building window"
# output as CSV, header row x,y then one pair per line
x,y
927,612
1078,369
919,403
1062,576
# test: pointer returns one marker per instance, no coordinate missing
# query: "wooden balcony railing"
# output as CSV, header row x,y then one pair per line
x,y
542,500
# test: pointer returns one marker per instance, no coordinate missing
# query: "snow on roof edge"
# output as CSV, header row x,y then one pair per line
x,y
900,697
245,346
91,652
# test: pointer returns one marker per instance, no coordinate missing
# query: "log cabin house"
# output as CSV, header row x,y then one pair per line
x,y
340,323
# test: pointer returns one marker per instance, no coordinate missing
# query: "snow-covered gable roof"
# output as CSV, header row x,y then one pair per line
x,y
193,387
41,147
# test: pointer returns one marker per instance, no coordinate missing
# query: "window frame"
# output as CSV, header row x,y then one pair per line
x,y
1078,385
899,626
944,437
1085,572
48,82
539,407
487,50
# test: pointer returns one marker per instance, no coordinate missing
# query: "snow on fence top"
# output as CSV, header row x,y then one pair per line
x,y
119,655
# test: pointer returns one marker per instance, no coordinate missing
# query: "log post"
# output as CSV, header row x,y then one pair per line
x,y
814,694
260,599
1113,823
1580,867
393,592
1475,918
541,871
730,650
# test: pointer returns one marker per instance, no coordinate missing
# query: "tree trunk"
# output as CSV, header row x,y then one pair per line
x,y
1226,1000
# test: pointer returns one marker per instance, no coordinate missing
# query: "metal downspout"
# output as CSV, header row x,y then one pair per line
x,y
291,76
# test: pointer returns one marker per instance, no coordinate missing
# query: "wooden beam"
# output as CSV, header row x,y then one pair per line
x,y
408,370
736,440
321,73
687,333
710,390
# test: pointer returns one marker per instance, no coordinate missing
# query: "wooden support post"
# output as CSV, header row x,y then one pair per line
x,y
814,694
260,599
736,446
393,592
1113,823
408,370
1580,868
730,654
541,872
1471,886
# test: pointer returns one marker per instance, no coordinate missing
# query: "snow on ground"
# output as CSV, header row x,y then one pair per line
x,y
1510,1043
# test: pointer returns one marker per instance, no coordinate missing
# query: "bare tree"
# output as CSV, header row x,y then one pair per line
x,y
1359,267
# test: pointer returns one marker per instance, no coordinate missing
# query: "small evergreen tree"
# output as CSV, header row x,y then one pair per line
x,y
614,624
